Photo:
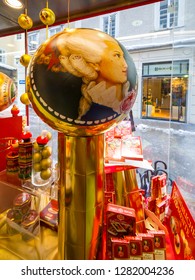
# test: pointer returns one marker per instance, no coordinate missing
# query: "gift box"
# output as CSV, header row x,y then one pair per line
x,y
11,128
120,221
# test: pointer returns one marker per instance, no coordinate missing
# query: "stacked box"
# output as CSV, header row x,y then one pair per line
x,y
120,221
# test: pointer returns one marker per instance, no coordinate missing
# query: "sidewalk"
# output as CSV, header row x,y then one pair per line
x,y
171,142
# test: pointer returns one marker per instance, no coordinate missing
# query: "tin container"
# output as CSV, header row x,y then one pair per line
x,y
10,218
30,225
25,160
22,205
12,166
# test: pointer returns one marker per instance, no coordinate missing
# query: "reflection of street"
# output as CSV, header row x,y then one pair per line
x,y
172,143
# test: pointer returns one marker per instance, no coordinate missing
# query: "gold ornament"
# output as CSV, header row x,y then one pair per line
x,y
86,87
24,99
8,91
25,21
47,16
25,59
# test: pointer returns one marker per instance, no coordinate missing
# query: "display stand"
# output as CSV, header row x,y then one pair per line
x,y
13,245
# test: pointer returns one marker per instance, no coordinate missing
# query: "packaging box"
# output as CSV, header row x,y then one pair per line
x,y
11,127
120,249
135,247
147,245
132,148
159,244
181,226
120,221
49,217
160,209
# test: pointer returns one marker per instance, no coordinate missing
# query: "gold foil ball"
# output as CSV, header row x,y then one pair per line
x,y
25,21
47,16
25,59
24,99
89,84
8,91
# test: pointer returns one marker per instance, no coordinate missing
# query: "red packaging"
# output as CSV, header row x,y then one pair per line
x,y
151,204
162,185
136,202
109,197
10,127
147,245
160,209
159,244
135,246
49,217
113,148
120,249
181,226
120,221
154,187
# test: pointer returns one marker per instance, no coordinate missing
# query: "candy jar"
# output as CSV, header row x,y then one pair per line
x,y
42,161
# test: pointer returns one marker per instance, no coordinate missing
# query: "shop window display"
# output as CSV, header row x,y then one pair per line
x,y
172,102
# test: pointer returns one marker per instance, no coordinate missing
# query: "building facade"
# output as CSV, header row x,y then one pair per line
x,y
160,39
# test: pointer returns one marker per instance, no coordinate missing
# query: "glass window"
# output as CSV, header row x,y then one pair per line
x,y
109,24
19,36
54,30
169,13
2,56
33,41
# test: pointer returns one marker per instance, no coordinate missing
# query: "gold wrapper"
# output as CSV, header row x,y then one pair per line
x,y
119,186
81,191
131,184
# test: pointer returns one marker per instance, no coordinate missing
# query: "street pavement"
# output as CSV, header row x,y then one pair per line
x,y
171,142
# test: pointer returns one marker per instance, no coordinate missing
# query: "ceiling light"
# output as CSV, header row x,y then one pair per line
x,y
14,4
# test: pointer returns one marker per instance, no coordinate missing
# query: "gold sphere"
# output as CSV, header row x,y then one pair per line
x,y
25,59
25,21
89,84
47,16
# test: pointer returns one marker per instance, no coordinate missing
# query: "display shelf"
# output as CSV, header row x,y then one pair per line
x,y
16,240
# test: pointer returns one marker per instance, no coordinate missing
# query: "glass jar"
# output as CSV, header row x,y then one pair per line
x,y
41,162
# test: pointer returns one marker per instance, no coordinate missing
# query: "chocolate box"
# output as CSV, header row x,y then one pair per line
x,y
135,247
120,221
159,244
120,249
147,245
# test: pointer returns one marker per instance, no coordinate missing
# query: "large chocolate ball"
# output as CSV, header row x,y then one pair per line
x,y
81,82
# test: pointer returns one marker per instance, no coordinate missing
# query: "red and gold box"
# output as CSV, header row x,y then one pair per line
x,y
154,187
147,245
120,221
160,209
11,127
49,217
181,226
136,202
135,247
162,185
120,249
159,244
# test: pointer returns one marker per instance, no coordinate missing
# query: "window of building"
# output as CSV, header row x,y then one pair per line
x,y
165,87
17,60
19,37
2,56
55,30
33,41
169,13
109,24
